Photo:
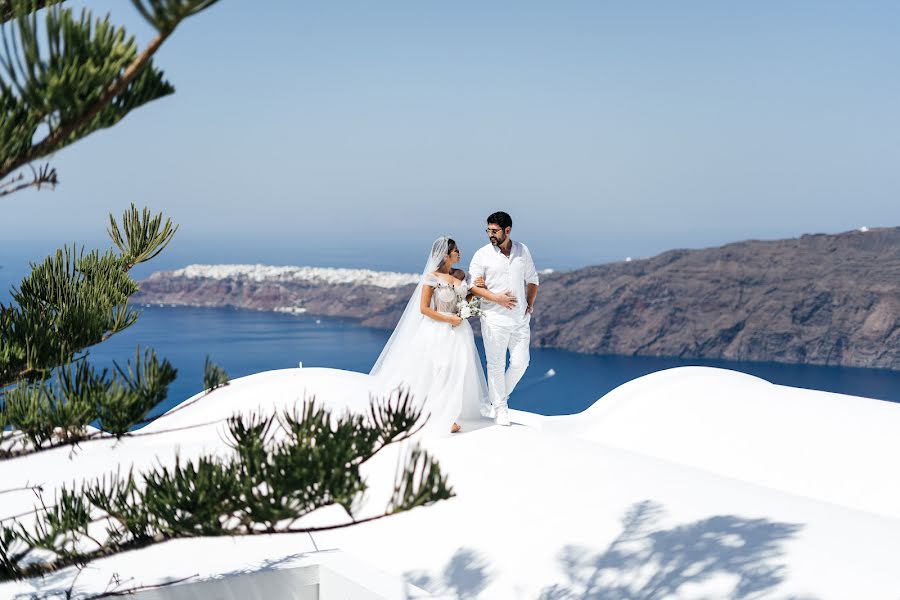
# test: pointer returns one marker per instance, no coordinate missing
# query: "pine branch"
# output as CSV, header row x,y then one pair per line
x,y
25,488
45,175
118,406
99,436
166,14
145,235
68,303
282,469
60,136
11,9
63,84
214,376
46,415
83,84
73,300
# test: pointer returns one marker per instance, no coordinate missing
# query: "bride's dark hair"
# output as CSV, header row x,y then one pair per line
x,y
451,246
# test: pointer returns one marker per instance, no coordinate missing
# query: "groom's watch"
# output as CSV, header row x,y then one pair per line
x,y
529,308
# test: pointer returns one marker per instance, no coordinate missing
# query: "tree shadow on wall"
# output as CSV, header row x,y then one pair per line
x,y
647,563
465,576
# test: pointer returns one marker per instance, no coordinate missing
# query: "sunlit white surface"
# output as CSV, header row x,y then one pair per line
x,y
688,483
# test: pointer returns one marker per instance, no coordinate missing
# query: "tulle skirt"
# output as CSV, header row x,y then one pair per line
x,y
442,370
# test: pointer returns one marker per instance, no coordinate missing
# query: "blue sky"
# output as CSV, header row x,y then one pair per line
x,y
356,132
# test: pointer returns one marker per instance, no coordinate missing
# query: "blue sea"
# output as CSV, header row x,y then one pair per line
x,y
557,382
245,342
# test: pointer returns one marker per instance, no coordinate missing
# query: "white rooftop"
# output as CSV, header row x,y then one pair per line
x,y
688,483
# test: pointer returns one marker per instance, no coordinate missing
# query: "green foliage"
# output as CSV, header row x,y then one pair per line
x,y
26,410
166,14
120,498
46,413
50,86
141,387
214,376
69,302
10,9
10,545
73,300
72,75
283,468
61,80
61,525
145,235
189,499
419,484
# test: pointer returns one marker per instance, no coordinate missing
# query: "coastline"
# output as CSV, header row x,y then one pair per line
x,y
830,300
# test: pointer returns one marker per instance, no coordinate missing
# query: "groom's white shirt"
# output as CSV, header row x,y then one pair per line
x,y
500,274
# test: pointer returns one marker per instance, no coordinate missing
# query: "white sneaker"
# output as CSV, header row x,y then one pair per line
x,y
502,417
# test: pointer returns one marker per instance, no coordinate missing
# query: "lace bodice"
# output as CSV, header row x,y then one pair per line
x,y
446,295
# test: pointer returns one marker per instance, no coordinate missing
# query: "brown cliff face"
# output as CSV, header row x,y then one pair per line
x,y
374,306
819,299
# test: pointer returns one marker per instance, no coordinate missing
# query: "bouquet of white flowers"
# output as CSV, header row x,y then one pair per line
x,y
471,308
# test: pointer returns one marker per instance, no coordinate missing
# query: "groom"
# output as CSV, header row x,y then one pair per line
x,y
501,270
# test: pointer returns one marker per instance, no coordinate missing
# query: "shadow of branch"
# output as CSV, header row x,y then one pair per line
x,y
740,557
465,576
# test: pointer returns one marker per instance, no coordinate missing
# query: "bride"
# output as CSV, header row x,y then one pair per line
x,y
432,350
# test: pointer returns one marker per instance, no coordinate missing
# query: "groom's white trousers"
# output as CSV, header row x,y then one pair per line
x,y
500,337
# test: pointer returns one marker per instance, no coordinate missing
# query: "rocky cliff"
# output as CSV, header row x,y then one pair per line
x,y
819,299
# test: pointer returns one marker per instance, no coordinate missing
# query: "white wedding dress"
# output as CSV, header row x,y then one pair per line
x,y
436,362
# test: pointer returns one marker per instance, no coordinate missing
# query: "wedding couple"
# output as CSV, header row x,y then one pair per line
x,y
432,350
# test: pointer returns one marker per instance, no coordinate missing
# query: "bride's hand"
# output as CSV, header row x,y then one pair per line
x,y
479,282
455,320
507,299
